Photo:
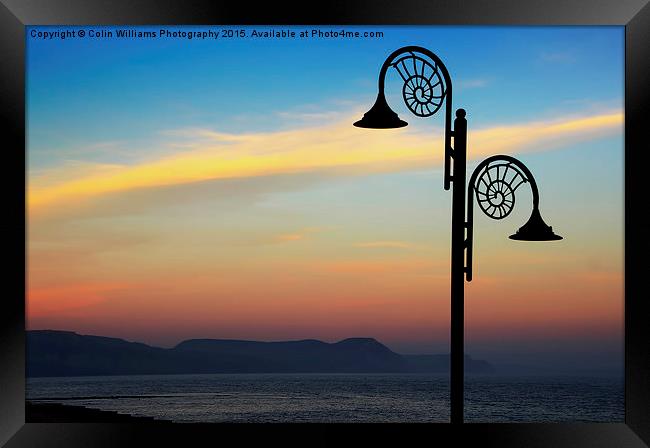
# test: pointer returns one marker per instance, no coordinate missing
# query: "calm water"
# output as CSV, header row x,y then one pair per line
x,y
338,398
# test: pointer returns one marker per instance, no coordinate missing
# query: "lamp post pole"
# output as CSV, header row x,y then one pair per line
x,y
427,85
457,339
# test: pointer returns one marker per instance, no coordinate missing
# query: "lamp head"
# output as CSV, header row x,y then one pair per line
x,y
380,116
535,230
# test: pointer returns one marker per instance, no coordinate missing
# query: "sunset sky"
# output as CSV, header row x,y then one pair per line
x,y
217,188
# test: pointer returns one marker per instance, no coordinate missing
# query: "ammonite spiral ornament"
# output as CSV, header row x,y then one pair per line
x,y
495,188
424,88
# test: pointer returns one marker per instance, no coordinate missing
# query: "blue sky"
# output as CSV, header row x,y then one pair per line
x,y
84,90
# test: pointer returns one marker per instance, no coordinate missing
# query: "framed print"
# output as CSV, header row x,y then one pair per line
x,y
378,222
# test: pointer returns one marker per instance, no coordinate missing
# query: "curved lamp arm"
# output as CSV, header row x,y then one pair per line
x,y
405,60
494,181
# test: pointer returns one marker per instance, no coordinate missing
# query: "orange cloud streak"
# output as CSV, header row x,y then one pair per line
x,y
336,146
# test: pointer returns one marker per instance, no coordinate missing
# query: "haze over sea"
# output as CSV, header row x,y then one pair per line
x,y
339,397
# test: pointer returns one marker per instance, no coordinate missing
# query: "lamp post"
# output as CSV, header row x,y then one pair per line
x,y
427,85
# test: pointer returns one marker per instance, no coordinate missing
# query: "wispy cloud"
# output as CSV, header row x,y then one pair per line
x,y
471,83
385,245
298,235
291,237
56,299
557,56
333,147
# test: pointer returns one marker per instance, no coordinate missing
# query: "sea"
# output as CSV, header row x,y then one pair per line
x,y
288,398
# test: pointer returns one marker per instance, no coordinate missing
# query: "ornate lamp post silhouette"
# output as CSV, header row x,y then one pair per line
x,y
426,86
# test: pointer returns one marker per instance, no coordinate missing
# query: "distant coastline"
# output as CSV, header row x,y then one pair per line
x,y
52,353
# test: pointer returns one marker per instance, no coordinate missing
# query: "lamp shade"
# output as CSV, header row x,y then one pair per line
x,y
380,116
535,230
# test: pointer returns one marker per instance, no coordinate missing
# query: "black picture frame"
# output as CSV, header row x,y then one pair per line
x,y
633,14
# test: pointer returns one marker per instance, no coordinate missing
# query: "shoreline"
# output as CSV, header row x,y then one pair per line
x,y
42,412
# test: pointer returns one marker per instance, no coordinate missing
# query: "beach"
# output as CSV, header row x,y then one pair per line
x,y
37,412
